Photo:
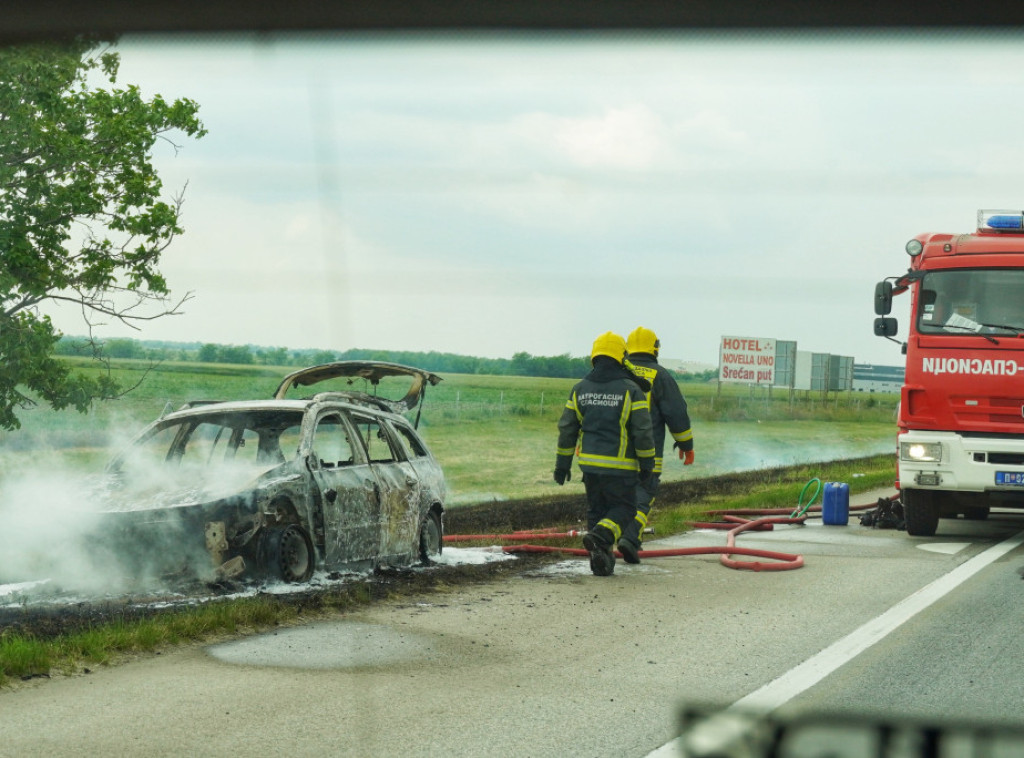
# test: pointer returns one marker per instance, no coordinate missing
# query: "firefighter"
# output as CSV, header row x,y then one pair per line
x,y
668,409
609,408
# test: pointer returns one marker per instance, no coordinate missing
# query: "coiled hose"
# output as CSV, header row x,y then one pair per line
x,y
733,520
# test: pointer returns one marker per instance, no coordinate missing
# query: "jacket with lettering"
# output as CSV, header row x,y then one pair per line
x,y
608,414
668,406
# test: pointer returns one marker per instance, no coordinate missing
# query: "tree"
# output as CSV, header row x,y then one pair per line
x,y
208,353
274,356
522,363
81,219
122,348
234,354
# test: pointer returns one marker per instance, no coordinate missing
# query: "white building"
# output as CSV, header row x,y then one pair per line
x,y
870,378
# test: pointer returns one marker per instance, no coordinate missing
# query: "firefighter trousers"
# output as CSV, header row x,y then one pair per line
x,y
646,492
611,502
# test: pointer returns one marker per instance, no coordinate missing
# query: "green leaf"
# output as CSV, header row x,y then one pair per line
x,y
75,155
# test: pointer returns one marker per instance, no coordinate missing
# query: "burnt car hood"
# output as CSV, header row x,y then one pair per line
x,y
370,371
184,489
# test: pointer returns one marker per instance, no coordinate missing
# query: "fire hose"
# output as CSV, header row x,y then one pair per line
x,y
732,520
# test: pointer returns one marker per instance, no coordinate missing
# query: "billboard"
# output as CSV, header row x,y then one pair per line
x,y
823,372
747,360
840,372
785,363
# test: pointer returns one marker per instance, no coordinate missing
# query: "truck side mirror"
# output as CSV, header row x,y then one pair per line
x,y
883,299
886,327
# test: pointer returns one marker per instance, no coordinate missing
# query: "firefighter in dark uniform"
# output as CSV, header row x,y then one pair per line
x,y
609,408
668,410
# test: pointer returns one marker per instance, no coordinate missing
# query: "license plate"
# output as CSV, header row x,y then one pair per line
x,y
1010,478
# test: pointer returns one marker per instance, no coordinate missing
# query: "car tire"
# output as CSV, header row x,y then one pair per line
x,y
431,541
921,512
286,553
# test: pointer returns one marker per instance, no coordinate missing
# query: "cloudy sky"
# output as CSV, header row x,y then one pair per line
x,y
490,194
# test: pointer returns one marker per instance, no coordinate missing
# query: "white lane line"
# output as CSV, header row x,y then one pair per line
x,y
804,676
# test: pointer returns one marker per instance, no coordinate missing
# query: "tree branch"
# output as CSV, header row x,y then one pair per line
x,y
93,303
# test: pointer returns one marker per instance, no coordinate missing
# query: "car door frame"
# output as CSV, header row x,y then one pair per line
x,y
348,497
400,493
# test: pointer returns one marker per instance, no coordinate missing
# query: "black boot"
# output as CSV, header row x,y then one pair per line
x,y
629,549
598,542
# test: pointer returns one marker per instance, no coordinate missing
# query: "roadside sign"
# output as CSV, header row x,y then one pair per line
x,y
747,360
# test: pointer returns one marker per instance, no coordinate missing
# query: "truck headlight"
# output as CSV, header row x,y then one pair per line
x,y
921,451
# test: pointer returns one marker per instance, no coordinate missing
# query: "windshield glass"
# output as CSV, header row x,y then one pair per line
x,y
972,301
256,440
200,458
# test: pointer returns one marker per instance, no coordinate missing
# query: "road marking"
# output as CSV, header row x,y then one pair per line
x,y
948,548
804,676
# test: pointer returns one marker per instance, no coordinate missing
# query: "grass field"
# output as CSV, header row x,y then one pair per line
x,y
494,435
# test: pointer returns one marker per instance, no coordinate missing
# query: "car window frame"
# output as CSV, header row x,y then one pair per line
x,y
402,430
382,422
359,454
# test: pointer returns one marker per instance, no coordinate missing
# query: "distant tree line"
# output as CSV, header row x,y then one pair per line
x,y
520,364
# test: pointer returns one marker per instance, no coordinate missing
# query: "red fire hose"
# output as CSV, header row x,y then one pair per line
x,y
784,562
731,519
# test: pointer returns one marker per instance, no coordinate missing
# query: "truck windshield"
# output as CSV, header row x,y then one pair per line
x,y
972,301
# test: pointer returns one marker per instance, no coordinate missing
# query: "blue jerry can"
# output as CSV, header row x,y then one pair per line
x,y
835,506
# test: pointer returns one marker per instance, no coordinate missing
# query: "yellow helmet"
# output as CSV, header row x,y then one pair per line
x,y
609,344
643,340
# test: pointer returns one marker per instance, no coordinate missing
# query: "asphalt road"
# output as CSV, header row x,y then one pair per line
x,y
957,660
561,663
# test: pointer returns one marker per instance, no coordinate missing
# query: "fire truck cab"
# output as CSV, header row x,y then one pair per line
x,y
960,440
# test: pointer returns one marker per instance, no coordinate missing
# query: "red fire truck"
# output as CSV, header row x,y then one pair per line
x,y
961,416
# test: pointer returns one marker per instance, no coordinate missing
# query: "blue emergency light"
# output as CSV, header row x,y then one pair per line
x,y
1000,221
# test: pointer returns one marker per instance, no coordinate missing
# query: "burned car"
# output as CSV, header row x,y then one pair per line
x,y
280,487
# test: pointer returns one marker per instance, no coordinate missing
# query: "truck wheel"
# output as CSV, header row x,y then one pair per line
x,y
286,553
430,537
921,512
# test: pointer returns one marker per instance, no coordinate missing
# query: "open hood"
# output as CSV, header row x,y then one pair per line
x,y
368,371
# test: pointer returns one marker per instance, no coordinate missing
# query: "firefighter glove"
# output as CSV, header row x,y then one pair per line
x,y
562,475
686,456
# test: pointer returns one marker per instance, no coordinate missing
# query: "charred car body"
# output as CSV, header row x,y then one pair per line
x,y
280,487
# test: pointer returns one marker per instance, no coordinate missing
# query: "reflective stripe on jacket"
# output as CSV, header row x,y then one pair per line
x,y
609,416
668,406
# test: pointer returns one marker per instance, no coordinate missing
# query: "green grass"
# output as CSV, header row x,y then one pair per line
x,y
505,458
494,435
458,398
24,656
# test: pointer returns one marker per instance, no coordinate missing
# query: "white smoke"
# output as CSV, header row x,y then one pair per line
x,y
47,531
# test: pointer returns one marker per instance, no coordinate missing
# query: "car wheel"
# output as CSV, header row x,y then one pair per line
x,y
287,553
921,512
430,537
